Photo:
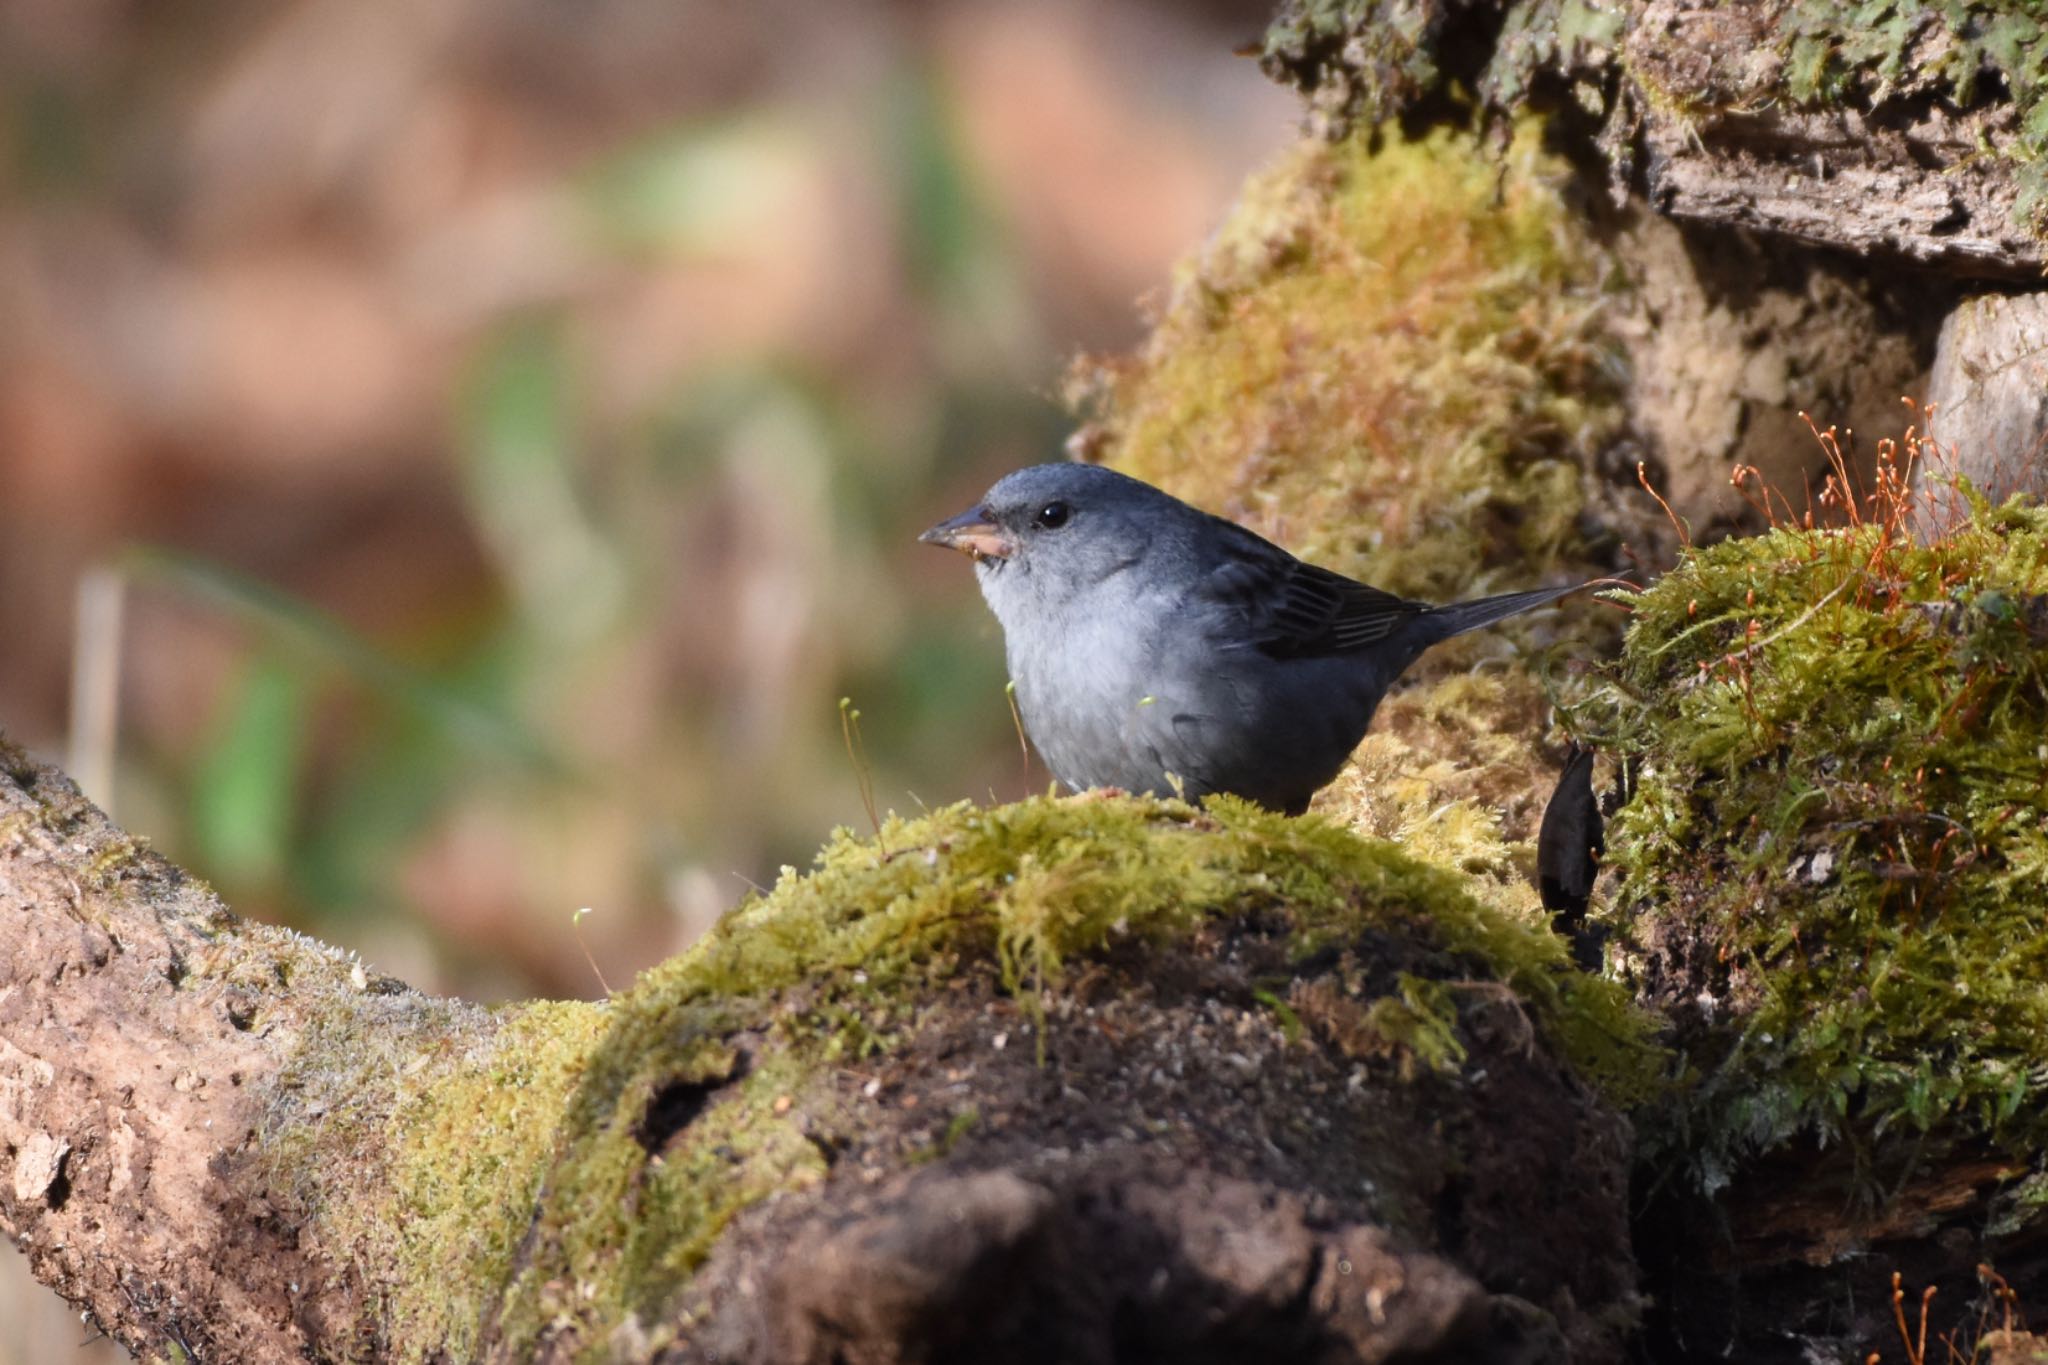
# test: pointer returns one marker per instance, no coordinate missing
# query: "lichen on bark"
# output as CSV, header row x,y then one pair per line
x,y
1885,127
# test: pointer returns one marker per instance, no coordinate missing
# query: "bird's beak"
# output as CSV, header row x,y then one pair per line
x,y
974,534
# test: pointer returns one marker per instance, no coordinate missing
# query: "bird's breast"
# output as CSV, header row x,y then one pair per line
x,y
1088,687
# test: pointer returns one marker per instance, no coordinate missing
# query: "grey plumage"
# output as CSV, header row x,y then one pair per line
x,y
1155,647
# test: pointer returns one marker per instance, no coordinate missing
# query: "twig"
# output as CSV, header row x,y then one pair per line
x,y
96,684
576,928
1017,719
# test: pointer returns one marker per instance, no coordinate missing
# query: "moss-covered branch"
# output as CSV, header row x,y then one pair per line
x,y
144,1035
232,1141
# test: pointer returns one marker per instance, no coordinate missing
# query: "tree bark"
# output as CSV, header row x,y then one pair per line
x,y
140,1027
1989,396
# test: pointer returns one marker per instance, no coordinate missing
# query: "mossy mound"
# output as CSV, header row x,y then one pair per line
x,y
1838,839
591,1156
1391,360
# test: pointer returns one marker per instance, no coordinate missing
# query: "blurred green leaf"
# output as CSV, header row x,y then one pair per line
x,y
244,786
521,483
958,254
515,411
709,188
315,639
387,791
945,225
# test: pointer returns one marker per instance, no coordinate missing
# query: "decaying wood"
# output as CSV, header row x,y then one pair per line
x,y
1926,191
981,1266
140,1023
1178,1170
1989,390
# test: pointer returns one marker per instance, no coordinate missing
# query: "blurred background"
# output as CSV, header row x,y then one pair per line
x,y
456,456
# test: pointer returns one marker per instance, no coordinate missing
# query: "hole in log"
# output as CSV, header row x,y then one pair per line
x,y
677,1104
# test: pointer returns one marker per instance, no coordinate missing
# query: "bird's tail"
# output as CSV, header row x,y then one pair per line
x,y
1441,623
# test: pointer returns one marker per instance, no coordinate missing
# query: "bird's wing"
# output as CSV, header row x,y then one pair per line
x,y
1294,609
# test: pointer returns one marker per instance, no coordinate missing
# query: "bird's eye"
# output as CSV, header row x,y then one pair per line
x,y
1053,515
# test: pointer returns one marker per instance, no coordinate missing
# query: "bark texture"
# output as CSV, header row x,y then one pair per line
x,y
1896,132
1706,121
140,1025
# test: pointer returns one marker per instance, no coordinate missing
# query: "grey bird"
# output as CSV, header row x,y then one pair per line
x,y
1160,649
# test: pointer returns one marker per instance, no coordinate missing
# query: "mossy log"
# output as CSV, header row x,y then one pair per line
x,y
1067,1069
1060,1080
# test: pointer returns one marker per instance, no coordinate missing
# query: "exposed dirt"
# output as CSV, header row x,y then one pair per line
x,y
1180,1181
1730,337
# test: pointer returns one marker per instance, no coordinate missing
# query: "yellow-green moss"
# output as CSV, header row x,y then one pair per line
x,y
505,1166
1454,772
1843,793
1391,361
411,1132
470,1157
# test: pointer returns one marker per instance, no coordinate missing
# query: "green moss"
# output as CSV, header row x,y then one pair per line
x,y
1391,361
1842,793
338,1113
471,1154
566,1168
1421,1018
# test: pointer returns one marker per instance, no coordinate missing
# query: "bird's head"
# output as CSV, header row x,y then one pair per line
x,y
1052,531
